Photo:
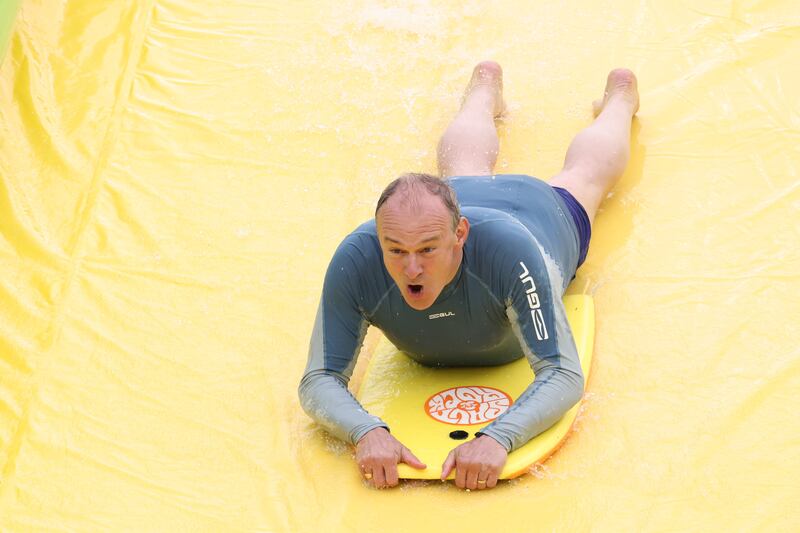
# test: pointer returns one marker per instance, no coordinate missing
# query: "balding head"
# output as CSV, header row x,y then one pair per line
x,y
422,235
410,190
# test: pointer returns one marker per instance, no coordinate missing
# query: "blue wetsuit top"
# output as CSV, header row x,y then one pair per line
x,y
504,302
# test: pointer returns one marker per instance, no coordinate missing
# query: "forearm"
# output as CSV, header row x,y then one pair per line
x,y
553,392
325,398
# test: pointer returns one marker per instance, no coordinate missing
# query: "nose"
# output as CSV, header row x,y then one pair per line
x,y
412,268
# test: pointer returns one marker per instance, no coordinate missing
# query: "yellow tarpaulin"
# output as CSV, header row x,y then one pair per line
x,y
175,174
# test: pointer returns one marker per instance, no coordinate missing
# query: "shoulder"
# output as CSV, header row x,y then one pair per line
x,y
493,231
360,248
496,247
356,272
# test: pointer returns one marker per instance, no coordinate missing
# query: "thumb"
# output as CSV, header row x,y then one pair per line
x,y
411,460
448,465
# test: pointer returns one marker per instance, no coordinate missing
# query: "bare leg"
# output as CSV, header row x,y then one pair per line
x,y
597,156
470,145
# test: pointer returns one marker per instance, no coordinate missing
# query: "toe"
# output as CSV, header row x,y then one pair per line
x,y
487,72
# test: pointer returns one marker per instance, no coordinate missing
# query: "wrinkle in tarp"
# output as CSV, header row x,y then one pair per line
x,y
175,175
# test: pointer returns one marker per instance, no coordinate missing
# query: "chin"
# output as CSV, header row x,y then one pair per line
x,y
419,306
422,303
419,302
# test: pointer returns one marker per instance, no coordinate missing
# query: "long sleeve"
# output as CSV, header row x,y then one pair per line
x,y
336,340
538,318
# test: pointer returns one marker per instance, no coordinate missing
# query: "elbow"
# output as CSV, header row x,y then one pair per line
x,y
303,393
576,387
306,389
570,389
311,389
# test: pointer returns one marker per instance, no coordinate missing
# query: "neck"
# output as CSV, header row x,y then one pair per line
x,y
459,256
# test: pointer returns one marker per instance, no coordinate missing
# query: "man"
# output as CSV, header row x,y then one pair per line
x,y
475,284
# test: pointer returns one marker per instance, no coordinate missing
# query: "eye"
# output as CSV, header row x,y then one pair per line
x,y
395,251
428,250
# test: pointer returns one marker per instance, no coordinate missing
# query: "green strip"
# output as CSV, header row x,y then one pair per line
x,y
8,10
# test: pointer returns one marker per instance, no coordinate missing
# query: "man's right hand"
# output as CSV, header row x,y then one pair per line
x,y
378,454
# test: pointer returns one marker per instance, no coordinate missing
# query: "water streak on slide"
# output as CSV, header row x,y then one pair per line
x,y
175,174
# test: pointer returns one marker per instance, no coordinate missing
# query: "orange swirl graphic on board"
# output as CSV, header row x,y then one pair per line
x,y
464,406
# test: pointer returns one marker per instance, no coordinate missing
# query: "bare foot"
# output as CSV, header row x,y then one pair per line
x,y
485,88
621,84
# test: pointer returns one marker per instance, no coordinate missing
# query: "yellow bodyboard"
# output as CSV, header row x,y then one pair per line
x,y
433,410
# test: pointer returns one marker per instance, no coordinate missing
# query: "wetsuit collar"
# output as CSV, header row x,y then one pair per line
x,y
450,288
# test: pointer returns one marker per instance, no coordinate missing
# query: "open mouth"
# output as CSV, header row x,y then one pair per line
x,y
415,290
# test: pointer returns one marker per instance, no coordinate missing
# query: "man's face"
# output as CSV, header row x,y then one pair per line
x,y
421,250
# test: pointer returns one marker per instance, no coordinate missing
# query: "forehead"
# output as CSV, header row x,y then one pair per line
x,y
409,220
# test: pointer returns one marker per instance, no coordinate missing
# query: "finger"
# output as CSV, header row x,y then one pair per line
x,y
378,478
448,465
391,474
369,476
483,475
411,460
461,475
472,477
491,481
365,471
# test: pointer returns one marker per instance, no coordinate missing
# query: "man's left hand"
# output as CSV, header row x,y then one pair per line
x,y
478,463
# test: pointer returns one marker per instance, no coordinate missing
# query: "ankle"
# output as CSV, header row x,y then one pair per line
x,y
623,100
480,99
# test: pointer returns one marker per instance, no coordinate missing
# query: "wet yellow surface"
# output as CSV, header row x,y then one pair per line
x,y
174,176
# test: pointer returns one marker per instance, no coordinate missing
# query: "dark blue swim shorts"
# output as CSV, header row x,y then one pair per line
x,y
581,220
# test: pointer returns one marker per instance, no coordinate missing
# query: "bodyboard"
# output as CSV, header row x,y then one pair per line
x,y
433,410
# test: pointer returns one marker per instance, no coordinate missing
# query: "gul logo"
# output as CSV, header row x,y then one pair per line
x,y
464,406
441,315
533,302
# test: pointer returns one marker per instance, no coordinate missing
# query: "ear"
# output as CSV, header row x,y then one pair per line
x,y
462,230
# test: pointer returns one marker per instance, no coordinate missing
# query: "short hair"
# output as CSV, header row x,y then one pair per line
x,y
435,186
